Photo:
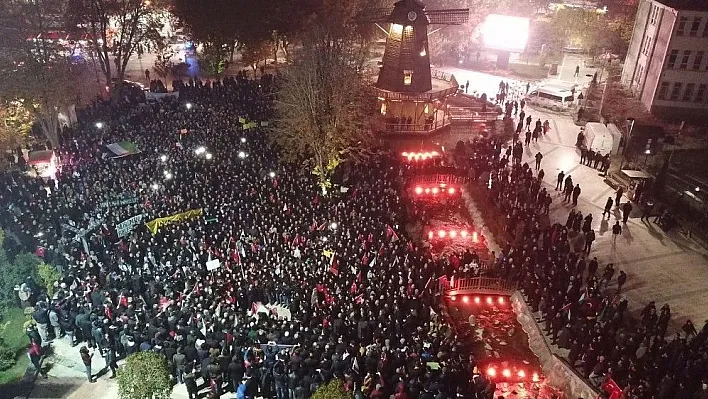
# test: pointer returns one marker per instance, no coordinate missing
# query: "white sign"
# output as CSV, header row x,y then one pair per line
x,y
123,228
212,264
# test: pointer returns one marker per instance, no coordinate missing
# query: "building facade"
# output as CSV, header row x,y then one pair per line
x,y
667,62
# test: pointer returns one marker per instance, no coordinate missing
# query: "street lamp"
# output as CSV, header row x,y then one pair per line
x,y
629,139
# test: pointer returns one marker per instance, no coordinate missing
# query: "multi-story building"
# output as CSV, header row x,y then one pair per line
x,y
667,63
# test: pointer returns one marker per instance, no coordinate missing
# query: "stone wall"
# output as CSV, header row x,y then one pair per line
x,y
558,372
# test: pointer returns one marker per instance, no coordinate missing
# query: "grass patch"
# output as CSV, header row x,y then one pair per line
x,y
13,332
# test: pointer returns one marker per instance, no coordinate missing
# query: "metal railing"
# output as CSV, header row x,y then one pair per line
x,y
472,114
477,284
414,128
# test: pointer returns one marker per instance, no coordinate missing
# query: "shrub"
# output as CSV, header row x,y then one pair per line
x,y
144,376
47,276
332,390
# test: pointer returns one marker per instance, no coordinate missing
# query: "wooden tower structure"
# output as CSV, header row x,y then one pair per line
x,y
411,96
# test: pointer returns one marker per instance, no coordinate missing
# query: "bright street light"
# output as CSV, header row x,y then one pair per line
x,y
99,125
241,154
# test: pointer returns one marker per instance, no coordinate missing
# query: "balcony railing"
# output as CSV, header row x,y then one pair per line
x,y
476,284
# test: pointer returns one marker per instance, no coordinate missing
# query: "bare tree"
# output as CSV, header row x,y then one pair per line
x,y
116,27
324,104
36,73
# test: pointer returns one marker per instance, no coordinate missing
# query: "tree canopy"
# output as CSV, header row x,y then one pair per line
x,y
324,103
144,376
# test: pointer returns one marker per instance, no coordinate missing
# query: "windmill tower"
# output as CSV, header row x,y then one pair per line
x,y
411,96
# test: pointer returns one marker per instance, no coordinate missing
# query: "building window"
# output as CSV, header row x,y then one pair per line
x,y
676,91
681,26
407,77
640,74
688,93
698,60
647,45
672,59
684,59
663,90
701,93
654,14
694,26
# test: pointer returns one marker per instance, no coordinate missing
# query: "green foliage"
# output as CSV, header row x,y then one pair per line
x,y
212,60
332,390
12,341
144,376
47,276
13,273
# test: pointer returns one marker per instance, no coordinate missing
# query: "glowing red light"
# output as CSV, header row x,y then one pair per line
x,y
475,237
521,374
453,298
435,190
441,233
501,300
489,300
492,372
405,154
463,233
506,373
465,299
427,191
535,377
477,300
434,153
451,190
430,235
419,190
453,233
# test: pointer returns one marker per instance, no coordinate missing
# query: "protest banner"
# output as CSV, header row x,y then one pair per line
x,y
154,225
118,202
123,228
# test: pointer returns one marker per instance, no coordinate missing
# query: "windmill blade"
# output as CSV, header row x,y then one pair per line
x,y
378,15
456,16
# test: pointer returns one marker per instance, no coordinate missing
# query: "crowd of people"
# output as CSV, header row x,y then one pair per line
x,y
357,291
581,304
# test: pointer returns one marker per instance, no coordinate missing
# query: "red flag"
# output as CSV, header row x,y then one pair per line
x,y
611,387
391,233
316,200
353,288
322,226
358,277
359,299
334,265
236,256
314,225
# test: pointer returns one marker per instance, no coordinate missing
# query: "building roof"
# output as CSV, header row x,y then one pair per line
x,y
686,5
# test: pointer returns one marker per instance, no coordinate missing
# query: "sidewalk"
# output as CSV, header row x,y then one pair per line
x,y
666,268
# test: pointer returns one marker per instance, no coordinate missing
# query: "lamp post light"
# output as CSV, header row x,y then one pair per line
x,y
629,139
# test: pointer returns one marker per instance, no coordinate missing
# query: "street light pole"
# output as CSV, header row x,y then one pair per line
x,y
629,139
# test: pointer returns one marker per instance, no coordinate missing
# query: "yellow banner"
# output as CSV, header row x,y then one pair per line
x,y
155,225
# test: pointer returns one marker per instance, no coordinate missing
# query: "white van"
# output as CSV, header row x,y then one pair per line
x,y
599,138
552,94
